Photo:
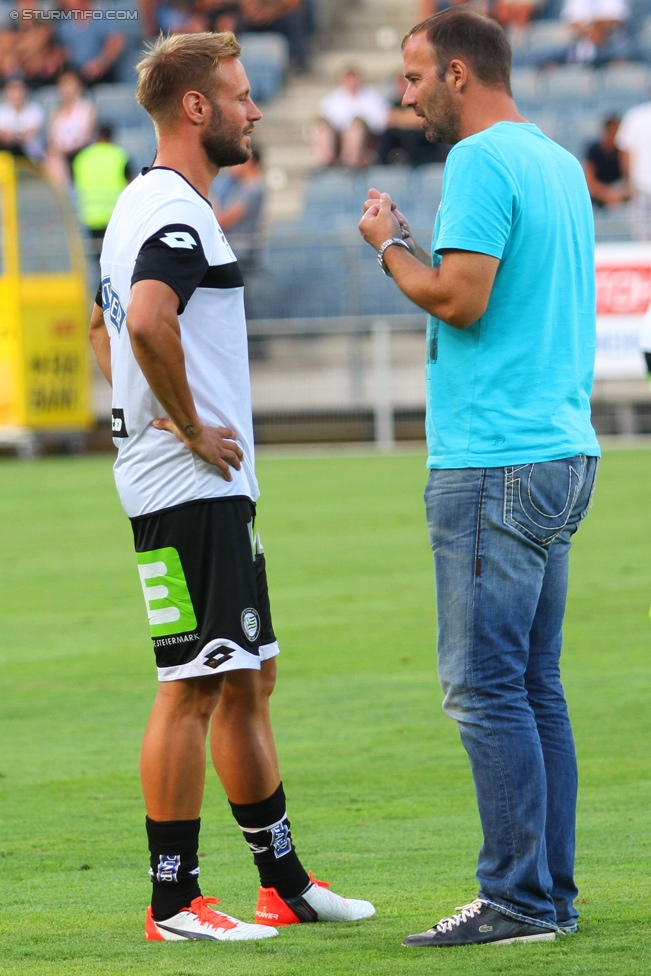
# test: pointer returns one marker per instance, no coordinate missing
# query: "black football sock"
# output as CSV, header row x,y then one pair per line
x,y
174,871
266,830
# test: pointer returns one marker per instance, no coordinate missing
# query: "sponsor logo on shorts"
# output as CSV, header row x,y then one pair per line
x,y
178,639
168,601
168,867
250,624
214,659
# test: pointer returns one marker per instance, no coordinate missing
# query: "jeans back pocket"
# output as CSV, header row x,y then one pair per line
x,y
539,499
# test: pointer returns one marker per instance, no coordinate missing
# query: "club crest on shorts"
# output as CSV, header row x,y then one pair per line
x,y
250,623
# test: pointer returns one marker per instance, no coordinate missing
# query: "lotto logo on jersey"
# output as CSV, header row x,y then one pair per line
x,y
111,304
168,601
179,238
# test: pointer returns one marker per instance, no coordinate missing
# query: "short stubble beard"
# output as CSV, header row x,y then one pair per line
x,y
441,117
222,141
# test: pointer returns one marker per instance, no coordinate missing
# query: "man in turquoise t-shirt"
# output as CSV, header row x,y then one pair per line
x,y
510,291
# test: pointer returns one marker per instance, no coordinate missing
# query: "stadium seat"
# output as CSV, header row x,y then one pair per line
x,y
625,77
429,179
577,131
639,10
379,295
125,21
6,6
47,97
622,86
328,195
613,224
547,35
644,39
117,106
125,69
139,144
525,83
303,274
571,83
548,122
425,199
42,240
394,180
265,58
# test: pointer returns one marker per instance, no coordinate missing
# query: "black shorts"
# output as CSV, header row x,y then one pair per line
x,y
204,580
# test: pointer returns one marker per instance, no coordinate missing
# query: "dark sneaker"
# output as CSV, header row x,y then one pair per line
x,y
478,924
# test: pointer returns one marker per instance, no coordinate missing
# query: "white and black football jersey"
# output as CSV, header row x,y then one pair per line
x,y
162,228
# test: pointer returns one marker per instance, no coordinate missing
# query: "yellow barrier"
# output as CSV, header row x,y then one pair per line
x,y
44,361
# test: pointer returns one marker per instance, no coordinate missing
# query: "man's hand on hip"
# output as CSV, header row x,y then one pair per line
x,y
215,445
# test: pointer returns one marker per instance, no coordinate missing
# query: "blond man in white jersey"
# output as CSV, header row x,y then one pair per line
x,y
169,333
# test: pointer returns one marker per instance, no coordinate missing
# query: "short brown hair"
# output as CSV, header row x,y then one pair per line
x,y
178,64
473,38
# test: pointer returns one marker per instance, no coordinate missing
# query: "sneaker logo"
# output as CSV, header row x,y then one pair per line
x,y
485,928
260,914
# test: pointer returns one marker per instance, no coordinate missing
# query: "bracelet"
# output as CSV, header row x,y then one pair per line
x,y
382,249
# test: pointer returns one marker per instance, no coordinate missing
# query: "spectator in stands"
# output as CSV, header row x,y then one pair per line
x,y
288,17
224,15
100,173
353,116
516,14
404,140
92,46
603,168
70,128
21,122
237,196
633,139
28,49
181,17
598,28
428,7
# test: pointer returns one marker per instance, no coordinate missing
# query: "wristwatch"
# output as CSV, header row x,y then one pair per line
x,y
383,247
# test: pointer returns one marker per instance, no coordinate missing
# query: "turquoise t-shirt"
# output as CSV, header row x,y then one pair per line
x,y
514,387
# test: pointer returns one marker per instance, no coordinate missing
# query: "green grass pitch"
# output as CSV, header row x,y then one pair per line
x,y
379,789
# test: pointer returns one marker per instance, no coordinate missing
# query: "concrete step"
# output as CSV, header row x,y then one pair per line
x,y
294,159
368,38
376,66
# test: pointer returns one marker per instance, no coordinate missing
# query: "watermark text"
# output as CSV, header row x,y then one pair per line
x,y
37,14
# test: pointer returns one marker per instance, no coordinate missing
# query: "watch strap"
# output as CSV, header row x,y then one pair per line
x,y
382,249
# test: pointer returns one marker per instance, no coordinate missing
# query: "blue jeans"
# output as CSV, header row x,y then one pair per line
x,y
501,539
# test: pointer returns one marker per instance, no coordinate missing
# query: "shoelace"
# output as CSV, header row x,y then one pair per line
x,y
208,916
321,884
465,912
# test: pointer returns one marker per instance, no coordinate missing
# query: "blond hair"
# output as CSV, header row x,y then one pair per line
x,y
179,64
